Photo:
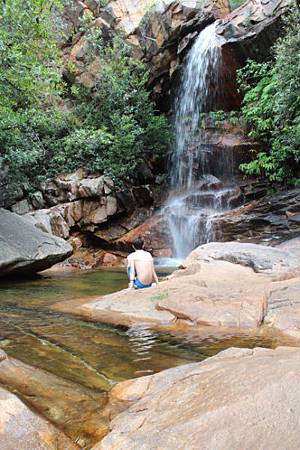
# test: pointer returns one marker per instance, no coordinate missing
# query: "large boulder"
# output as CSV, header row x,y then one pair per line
x,y
25,249
268,260
239,399
227,286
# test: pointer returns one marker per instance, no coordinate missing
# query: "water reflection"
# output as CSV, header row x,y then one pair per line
x,y
84,355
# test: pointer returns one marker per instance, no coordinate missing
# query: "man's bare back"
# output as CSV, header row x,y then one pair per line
x,y
141,269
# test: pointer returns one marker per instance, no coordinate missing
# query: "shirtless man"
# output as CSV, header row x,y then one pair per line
x,y
140,267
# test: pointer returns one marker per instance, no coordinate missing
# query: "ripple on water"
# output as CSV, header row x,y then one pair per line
x,y
87,355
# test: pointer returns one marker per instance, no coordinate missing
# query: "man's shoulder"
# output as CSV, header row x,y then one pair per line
x,y
131,255
140,255
146,255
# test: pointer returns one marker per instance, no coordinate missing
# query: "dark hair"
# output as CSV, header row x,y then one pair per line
x,y
138,243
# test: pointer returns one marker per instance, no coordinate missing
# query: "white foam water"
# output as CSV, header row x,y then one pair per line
x,y
197,197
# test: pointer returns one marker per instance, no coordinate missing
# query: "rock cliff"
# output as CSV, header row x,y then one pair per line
x,y
161,32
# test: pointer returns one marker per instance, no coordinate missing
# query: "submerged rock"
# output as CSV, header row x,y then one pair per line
x,y
22,429
241,398
25,249
76,410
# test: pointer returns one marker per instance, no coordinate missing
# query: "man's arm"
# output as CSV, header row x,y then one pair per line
x,y
154,273
132,274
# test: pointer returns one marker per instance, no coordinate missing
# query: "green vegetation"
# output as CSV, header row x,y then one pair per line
x,y
233,4
160,296
109,128
24,43
271,107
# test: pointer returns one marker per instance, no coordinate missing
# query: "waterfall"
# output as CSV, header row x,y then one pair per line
x,y
197,94
201,185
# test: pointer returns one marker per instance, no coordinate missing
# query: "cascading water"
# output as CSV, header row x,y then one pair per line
x,y
197,196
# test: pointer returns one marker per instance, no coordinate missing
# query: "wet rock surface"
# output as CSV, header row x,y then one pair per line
x,y
267,218
230,401
25,249
22,429
76,411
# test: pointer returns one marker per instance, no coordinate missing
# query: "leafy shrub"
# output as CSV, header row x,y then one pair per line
x,y
271,107
111,127
120,103
29,57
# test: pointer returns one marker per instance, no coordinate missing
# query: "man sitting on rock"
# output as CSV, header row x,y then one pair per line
x,y
140,267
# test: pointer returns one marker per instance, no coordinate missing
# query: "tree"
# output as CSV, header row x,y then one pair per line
x,y
271,107
29,57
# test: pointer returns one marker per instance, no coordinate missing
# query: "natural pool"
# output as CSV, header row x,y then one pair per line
x,y
83,360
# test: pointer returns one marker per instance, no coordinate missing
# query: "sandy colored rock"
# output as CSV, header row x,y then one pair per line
x,y
21,429
239,399
218,293
111,260
127,307
192,296
283,307
220,285
261,259
129,13
91,187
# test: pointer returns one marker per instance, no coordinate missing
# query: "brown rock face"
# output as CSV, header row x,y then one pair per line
x,y
267,219
239,399
21,429
77,411
155,30
248,32
161,32
162,37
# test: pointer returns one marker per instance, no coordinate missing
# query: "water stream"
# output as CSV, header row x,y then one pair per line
x,y
201,186
81,360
